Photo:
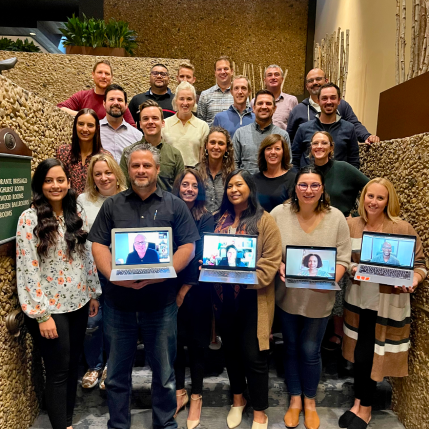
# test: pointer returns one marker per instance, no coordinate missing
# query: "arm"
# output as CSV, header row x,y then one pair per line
x,y
183,256
69,111
128,118
347,114
73,104
353,150
237,148
344,248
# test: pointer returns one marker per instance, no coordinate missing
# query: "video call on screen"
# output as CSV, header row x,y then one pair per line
x,y
311,263
141,248
229,251
387,250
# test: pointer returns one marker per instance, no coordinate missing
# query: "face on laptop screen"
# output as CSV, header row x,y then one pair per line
x,y
139,248
229,251
310,263
387,250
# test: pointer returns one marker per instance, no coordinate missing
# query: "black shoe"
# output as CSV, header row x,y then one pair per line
x,y
358,423
331,346
345,420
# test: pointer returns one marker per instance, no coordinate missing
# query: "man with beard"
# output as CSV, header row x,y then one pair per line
x,y
152,123
346,147
148,306
308,108
158,91
102,75
116,134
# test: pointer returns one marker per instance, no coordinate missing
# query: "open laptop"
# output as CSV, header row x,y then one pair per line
x,y
229,258
310,267
387,259
142,253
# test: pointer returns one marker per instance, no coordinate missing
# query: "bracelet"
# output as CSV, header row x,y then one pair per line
x,y
44,318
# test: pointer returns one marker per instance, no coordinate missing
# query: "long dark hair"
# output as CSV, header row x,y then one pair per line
x,y
237,260
199,208
96,141
46,229
250,217
324,203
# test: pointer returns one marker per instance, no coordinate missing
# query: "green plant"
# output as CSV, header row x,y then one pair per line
x,y
18,45
96,33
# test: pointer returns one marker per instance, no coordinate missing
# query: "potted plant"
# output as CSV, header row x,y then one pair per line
x,y
18,45
95,37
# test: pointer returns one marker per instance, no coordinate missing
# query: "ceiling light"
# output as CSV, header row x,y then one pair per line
x,y
32,34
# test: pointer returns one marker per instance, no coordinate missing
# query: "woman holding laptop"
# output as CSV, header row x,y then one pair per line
x,y
195,313
307,220
368,303
245,314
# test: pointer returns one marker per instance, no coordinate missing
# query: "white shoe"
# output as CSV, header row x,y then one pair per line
x,y
260,425
234,416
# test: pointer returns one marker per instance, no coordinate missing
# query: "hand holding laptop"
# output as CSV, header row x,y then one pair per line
x,y
136,284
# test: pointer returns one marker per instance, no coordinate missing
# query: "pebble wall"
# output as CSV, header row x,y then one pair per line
x,y
405,162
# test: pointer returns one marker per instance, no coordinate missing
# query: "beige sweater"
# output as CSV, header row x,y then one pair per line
x,y
332,231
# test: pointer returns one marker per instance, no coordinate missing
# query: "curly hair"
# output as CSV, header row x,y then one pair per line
x,y
46,229
307,258
228,163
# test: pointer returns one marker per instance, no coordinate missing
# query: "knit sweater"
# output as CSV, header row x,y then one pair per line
x,y
332,231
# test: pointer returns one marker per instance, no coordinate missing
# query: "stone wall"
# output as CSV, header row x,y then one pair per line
x,y
56,77
251,31
405,162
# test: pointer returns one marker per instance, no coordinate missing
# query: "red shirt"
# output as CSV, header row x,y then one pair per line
x,y
90,100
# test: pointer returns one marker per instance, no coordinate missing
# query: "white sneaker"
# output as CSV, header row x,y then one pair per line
x,y
217,344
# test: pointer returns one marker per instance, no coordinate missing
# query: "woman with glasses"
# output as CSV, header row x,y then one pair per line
x,y
307,220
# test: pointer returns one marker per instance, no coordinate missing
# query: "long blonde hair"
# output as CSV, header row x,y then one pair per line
x,y
90,188
392,208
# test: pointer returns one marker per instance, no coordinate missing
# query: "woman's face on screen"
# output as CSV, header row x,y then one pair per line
x,y
232,255
312,262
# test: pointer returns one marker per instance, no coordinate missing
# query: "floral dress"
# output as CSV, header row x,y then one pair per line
x,y
53,284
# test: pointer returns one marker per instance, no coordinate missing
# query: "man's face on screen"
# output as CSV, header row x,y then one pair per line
x,y
140,244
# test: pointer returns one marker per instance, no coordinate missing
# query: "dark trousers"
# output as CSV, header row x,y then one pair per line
x,y
238,325
61,359
196,365
364,355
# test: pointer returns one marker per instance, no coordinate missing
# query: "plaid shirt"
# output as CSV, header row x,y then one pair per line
x,y
213,101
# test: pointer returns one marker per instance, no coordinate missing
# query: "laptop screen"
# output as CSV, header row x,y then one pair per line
x,y
141,247
314,262
388,250
229,251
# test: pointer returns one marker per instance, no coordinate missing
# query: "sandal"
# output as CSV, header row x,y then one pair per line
x,y
185,401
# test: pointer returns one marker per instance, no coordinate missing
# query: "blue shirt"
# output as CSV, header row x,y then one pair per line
x,y
232,119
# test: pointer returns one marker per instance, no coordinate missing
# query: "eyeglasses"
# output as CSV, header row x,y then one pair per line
x,y
140,243
160,73
304,186
317,79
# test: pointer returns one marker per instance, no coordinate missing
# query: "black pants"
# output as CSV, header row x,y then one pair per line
x,y
61,359
196,365
364,355
238,325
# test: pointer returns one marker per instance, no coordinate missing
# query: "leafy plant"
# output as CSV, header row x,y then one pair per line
x,y
18,45
97,34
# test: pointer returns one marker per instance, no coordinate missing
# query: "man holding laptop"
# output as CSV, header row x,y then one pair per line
x,y
148,305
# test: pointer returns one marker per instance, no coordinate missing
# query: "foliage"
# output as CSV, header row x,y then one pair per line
x,y
18,45
97,34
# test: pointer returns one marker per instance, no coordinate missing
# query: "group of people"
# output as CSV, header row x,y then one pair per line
x,y
229,169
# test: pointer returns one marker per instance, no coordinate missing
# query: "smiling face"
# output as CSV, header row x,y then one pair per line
x,y
104,179
143,170
140,244
151,122
115,103
216,146
185,101
55,185
309,189
159,78
387,250
237,191
102,76
312,262
264,107
315,79
321,148
240,91
223,73
329,101
273,79
376,200
274,154
188,191
186,75
86,128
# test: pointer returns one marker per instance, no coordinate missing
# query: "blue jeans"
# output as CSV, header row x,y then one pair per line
x,y
302,338
93,345
159,333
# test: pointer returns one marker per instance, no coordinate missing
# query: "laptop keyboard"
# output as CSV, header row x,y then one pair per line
x,y
233,274
143,271
312,282
385,272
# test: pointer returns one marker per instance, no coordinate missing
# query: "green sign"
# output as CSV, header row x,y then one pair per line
x,y
15,192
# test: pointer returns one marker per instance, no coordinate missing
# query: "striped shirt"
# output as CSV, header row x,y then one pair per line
x,y
213,101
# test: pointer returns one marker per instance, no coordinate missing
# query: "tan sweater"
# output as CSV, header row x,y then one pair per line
x,y
332,231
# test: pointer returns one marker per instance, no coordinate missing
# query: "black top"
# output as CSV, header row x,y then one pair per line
x,y
150,257
273,191
163,100
128,210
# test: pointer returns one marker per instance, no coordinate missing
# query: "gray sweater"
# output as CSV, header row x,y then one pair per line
x,y
332,231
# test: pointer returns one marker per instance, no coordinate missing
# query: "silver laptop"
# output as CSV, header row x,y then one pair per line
x,y
229,258
310,267
387,259
142,253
